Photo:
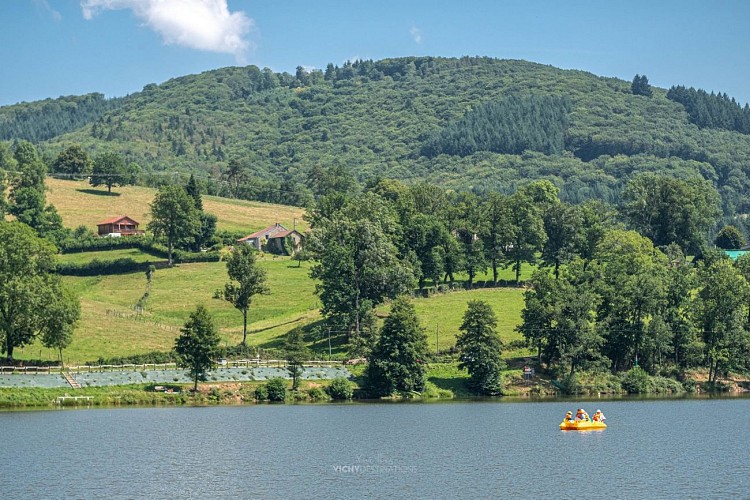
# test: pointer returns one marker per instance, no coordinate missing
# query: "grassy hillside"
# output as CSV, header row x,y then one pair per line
x,y
79,204
375,118
110,327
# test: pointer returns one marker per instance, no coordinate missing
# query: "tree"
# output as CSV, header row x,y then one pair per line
x,y
72,161
194,191
28,201
198,344
296,354
640,86
527,235
480,348
173,216
496,230
562,224
250,279
397,362
669,210
109,170
631,284
730,238
720,311
33,299
357,261
64,312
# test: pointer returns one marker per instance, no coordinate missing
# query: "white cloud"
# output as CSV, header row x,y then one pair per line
x,y
416,34
198,24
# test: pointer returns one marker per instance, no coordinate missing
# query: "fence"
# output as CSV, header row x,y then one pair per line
x,y
239,363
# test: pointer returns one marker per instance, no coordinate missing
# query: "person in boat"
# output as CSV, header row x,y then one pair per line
x,y
582,416
569,416
599,416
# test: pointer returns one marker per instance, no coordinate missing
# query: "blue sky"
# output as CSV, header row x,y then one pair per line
x,y
50,48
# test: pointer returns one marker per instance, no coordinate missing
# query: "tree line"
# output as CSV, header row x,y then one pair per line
x,y
393,238
712,110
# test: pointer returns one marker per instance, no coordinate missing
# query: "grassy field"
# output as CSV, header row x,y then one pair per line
x,y
110,327
441,315
118,253
80,204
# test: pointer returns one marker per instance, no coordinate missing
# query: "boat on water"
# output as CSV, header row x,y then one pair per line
x,y
582,425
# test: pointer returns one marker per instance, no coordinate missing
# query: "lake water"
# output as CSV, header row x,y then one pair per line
x,y
653,448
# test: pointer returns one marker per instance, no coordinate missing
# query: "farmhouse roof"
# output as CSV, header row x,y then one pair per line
x,y
276,228
114,220
283,234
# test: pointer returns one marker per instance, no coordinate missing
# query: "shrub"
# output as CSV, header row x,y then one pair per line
x,y
340,388
666,385
637,381
276,389
317,394
261,393
690,385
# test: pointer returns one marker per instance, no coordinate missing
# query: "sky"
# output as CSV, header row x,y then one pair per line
x,y
50,48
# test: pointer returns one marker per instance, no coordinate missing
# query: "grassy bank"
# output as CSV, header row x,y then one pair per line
x,y
80,204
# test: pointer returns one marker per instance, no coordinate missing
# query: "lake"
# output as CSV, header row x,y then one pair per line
x,y
652,448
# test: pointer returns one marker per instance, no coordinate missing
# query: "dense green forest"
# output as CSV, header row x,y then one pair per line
x,y
253,133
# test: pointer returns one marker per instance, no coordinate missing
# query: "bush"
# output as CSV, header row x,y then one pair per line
x,y
666,385
340,388
276,388
98,267
637,381
317,394
261,393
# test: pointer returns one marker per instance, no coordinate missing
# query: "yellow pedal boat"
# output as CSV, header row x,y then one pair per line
x,y
582,425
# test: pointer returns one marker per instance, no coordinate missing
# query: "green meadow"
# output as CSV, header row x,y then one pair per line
x,y
110,326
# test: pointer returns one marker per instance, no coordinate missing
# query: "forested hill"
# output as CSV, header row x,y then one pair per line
x,y
475,123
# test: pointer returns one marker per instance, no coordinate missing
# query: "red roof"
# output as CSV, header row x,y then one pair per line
x,y
115,220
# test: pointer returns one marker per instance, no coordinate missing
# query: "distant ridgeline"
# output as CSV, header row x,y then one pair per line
x,y
712,110
467,123
43,120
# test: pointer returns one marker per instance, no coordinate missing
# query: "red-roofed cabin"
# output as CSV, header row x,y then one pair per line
x,y
121,226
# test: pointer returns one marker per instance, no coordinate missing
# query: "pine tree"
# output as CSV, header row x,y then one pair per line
x,y
397,362
480,348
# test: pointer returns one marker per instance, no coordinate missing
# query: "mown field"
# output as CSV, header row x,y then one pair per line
x,y
111,327
80,204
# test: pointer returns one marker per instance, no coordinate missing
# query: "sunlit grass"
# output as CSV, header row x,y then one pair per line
x,y
80,204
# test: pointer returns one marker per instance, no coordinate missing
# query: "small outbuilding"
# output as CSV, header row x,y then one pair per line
x,y
276,239
259,238
284,242
120,226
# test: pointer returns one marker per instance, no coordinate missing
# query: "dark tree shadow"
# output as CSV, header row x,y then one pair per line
x,y
97,192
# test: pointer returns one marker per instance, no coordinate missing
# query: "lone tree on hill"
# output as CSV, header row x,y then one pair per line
x,y
640,86
481,348
173,216
109,170
251,280
397,361
197,346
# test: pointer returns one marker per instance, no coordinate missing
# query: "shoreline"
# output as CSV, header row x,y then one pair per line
x,y
242,394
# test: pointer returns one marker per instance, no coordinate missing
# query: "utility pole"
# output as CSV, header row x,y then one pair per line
x,y
329,345
437,340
